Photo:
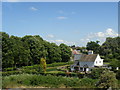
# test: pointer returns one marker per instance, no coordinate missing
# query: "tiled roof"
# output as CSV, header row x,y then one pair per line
x,y
90,57
75,52
77,56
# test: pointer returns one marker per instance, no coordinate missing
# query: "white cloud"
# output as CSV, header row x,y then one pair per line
x,y
100,36
61,17
59,41
108,33
33,9
50,36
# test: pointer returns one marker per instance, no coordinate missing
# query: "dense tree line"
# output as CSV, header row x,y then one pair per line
x,y
109,50
28,50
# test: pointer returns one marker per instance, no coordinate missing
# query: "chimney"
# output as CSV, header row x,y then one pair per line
x,y
90,52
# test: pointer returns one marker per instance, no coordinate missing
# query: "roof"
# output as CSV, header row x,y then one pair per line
x,y
87,58
75,52
77,56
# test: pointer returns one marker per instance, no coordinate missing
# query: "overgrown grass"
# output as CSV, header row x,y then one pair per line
x,y
46,81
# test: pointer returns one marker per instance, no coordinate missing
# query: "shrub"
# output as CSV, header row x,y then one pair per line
x,y
43,65
59,64
118,74
51,69
11,73
107,79
9,69
80,75
87,82
95,73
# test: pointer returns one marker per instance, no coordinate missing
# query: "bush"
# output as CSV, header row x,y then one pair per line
x,y
88,82
51,69
59,64
118,74
9,69
11,73
107,80
20,72
31,67
95,73
80,75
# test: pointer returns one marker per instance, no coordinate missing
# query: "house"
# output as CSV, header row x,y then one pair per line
x,y
84,62
74,52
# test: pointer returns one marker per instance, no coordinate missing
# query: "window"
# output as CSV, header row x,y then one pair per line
x,y
96,62
99,61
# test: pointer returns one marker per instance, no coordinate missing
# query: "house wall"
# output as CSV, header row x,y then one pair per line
x,y
98,61
90,64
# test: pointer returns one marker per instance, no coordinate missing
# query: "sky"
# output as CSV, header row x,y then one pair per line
x,y
72,23
60,0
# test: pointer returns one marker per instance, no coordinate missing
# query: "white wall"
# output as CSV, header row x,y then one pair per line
x,y
98,61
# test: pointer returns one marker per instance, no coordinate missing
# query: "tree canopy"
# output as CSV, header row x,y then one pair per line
x,y
93,46
28,50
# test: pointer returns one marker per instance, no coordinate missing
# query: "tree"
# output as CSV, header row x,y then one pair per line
x,y
65,52
93,46
7,55
19,53
34,44
114,63
96,72
54,53
110,48
27,50
107,80
43,65
118,74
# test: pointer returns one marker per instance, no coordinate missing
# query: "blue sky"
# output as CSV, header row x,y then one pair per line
x,y
62,22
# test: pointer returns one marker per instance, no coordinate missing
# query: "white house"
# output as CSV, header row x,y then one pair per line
x,y
85,62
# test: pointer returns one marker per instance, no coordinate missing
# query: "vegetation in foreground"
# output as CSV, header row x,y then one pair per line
x,y
46,81
102,79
